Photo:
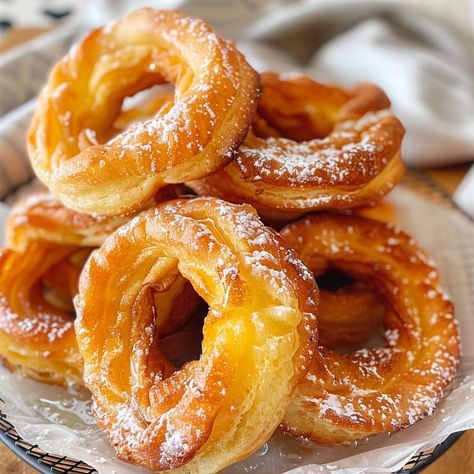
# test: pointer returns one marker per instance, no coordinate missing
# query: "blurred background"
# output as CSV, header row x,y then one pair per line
x,y
48,13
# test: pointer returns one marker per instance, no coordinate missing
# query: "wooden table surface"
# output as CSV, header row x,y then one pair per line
x,y
459,459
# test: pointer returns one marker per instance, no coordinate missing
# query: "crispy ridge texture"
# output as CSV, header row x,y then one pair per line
x,y
313,147
191,137
370,391
47,246
36,337
257,335
43,239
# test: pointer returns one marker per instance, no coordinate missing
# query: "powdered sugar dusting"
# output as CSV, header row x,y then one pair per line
x,y
354,153
386,388
42,324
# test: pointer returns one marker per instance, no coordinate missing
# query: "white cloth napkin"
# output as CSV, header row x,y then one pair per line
x,y
425,65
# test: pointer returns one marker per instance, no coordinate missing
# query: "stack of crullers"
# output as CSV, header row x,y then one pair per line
x,y
238,191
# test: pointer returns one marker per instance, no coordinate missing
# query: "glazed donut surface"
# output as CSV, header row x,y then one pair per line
x,y
218,409
320,147
369,391
43,240
191,137
47,246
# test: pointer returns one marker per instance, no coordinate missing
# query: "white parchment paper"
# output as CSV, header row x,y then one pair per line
x,y
59,421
